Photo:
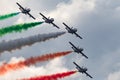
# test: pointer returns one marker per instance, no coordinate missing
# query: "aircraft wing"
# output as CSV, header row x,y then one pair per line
x,y
77,65
88,75
19,5
55,25
84,55
73,45
67,26
78,35
31,16
43,16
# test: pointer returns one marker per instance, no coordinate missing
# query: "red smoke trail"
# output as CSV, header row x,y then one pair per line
x,y
33,60
52,77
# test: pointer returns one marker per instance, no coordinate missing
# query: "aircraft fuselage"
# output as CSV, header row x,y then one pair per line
x,y
79,50
25,11
81,70
71,30
49,20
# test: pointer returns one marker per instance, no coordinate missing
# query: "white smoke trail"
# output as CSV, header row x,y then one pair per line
x,y
19,43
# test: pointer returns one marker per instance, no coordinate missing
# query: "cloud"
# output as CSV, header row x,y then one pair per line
x,y
114,76
9,6
70,11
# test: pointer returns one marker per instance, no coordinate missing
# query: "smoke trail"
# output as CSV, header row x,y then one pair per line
x,y
52,77
2,17
18,27
30,61
19,43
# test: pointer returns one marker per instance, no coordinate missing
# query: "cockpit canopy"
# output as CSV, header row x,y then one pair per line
x,y
75,29
81,49
52,19
27,9
85,69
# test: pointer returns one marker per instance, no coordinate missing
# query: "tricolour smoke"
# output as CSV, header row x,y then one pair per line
x,y
52,77
19,43
18,27
30,61
2,17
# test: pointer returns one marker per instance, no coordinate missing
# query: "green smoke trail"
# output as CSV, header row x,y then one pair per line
x,y
2,17
18,27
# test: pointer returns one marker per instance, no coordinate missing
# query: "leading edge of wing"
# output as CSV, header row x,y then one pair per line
x,y
31,16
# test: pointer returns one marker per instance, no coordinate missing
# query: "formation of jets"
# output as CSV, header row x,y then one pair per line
x,y
70,30
79,50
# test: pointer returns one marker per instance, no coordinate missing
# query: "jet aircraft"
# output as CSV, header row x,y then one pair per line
x,y
78,50
25,11
72,30
49,20
82,70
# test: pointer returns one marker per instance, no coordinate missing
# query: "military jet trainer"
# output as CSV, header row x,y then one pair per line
x,y
49,20
82,70
72,30
25,11
78,50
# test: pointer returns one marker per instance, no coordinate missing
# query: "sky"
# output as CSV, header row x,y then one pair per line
x,y
97,22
